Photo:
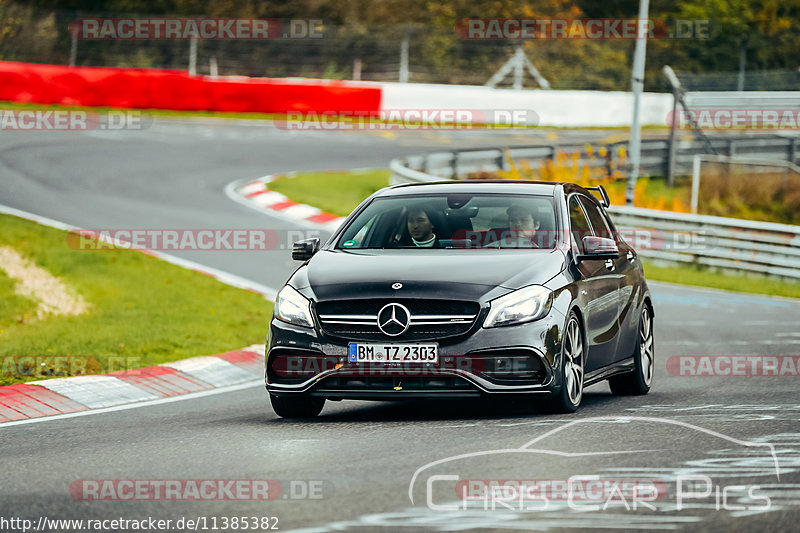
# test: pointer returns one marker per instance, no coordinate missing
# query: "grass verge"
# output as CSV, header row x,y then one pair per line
x,y
337,192
707,277
143,311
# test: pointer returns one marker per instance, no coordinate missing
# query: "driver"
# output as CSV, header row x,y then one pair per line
x,y
421,228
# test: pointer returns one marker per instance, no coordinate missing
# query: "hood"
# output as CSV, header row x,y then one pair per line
x,y
453,274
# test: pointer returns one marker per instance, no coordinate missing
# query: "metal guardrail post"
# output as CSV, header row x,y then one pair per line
x,y
501,161
553,152
695,182
672,149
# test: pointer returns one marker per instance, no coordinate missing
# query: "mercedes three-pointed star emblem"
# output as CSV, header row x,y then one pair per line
x,y
394,319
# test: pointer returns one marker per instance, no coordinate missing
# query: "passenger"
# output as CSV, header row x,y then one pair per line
x,y
521,222
521,231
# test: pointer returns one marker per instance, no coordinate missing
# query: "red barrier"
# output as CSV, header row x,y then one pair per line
x,y
175,89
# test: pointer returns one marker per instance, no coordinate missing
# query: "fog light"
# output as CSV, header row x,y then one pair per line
x,y
519,366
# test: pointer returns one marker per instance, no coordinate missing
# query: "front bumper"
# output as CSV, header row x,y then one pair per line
x,y
514,359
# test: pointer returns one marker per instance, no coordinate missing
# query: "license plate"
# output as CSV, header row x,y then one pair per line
x,y
393,353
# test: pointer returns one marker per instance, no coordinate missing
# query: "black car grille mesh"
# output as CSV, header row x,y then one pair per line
x,y
430,319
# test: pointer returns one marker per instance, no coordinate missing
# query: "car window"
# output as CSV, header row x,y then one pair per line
x,y
359,237
579,225
463,221
599,226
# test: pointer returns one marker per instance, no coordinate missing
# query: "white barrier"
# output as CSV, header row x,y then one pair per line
x,y
553,107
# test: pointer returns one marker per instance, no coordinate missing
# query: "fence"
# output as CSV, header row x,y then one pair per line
x,y
774,176
763,80
366,41
654,160
730,244
743,246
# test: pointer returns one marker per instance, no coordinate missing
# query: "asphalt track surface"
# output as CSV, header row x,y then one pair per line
x,y
364,461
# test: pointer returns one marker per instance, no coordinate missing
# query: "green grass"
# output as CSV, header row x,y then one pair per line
x,y
337,192
143,311
707,277
766,197
13,306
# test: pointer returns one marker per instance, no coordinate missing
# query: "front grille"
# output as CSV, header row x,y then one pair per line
x,y
430,319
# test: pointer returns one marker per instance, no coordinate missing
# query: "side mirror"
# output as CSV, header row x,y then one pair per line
x,y
599,248
303,250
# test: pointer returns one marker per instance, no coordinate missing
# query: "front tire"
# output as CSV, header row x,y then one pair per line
x,y
296,406
640,380
568,398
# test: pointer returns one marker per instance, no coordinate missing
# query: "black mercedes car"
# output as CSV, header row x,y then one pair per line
x,y
463,289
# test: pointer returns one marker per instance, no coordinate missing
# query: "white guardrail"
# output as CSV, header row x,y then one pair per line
x,y
654,155
729,244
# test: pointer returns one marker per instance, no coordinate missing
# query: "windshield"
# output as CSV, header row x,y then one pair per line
x,y
466,221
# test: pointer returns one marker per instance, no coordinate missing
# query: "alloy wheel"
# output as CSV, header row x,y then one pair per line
x,y
646,346
573,366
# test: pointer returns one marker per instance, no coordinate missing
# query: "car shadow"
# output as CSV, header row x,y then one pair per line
x,y
484,409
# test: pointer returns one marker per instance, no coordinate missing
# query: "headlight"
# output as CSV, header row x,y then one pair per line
x,y
292,307
523,305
